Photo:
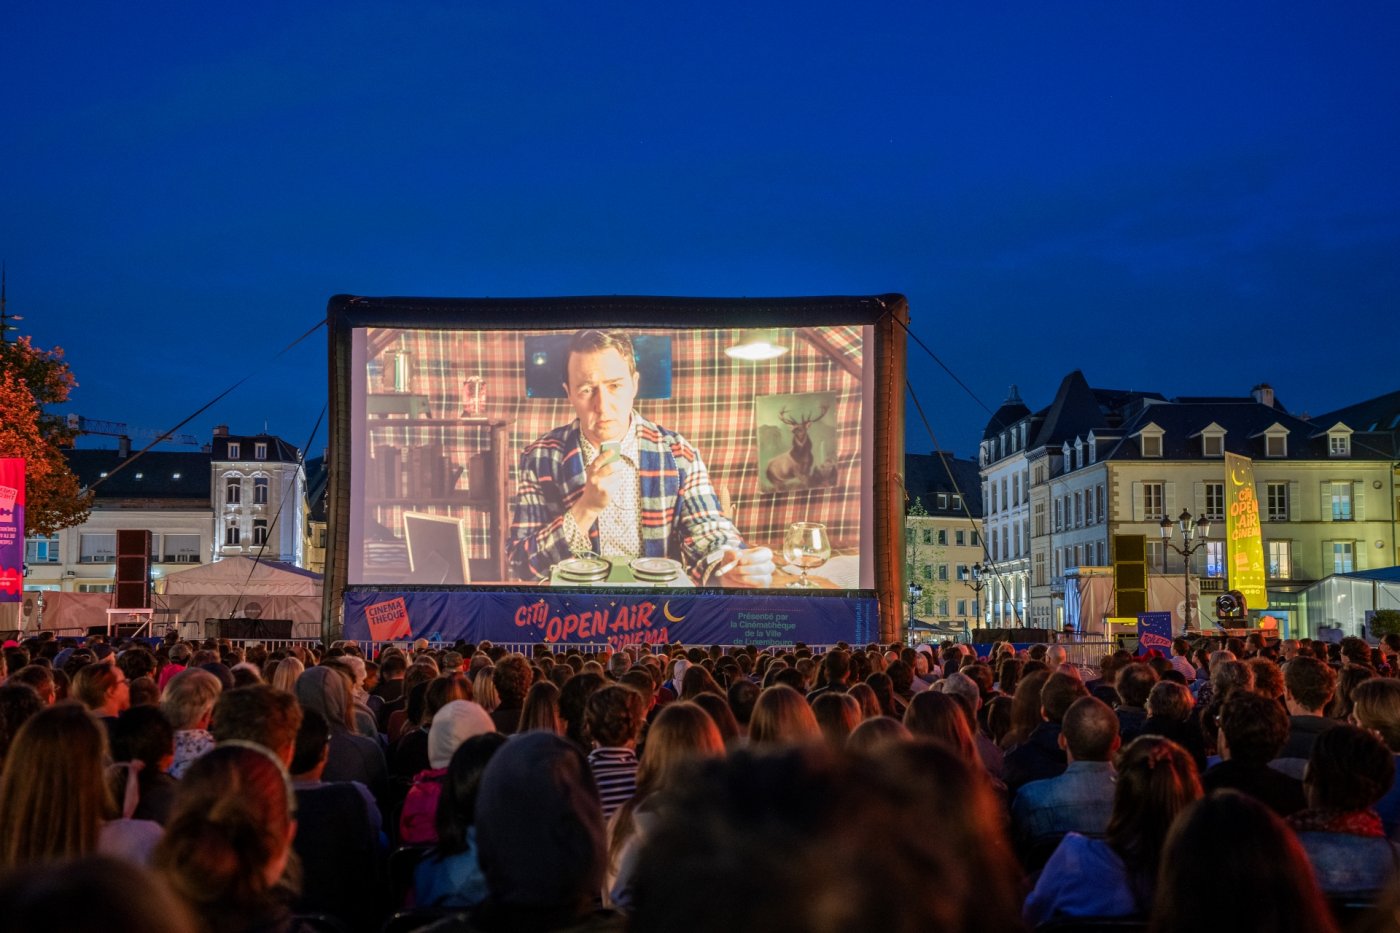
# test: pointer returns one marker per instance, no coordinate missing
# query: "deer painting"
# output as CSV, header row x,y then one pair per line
x,y
797,468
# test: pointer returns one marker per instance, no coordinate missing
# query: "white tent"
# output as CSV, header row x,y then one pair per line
x,y
245,576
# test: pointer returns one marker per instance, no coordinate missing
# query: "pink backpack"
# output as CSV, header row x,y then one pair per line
x,y
418,821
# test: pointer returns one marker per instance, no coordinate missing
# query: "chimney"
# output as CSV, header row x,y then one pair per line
x,y
1263,394
221,430
123,446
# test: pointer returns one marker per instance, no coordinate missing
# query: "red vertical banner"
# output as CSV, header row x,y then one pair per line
x,y
11,529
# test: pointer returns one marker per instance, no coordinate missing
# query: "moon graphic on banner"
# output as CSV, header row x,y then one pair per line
x,y
1235,476
666,611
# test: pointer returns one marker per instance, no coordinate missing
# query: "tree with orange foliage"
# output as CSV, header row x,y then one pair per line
x,y
30,379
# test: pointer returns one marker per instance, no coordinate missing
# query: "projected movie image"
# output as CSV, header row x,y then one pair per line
x,y
643,457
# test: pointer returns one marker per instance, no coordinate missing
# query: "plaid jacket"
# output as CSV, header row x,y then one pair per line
x,y
680,512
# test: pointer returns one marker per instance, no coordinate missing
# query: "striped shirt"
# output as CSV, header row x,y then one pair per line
x,y
615,773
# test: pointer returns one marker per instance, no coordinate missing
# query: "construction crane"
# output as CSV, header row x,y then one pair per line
x,y
124,434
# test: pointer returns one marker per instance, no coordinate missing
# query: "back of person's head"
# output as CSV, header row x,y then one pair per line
x,y
866,698
92,683
723,716
539,828
781,716
836,665
1268,678
876,732
1255,728
962,686
1310,683
837,714
1059,693
1009,674
821,856
1134,682
1349,769
942,718
682,734
743,694
456,809
190,697
573,705
1376,706
452,725
615,714
901,677
94,894
261,714
1229,676
1090,730
454,685
142,734
326,690
313,739
1157,779
697,680
18,702
1170,700
1231,864
53,790
288,672
512,679
541,709
228,838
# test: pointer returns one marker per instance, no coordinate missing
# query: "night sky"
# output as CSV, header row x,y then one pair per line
x,y
1189,198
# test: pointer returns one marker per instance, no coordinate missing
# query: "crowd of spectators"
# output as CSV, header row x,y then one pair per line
x,y
1235,785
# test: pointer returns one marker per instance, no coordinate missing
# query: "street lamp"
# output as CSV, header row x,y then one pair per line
x,y
916,593
1193,538
977,584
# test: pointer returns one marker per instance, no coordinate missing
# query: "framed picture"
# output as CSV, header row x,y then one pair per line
x,y
796,441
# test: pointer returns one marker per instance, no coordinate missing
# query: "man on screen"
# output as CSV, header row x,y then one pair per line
x,y
613,483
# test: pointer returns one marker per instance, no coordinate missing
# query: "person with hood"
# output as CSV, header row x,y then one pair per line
x,y
452,725
539,833
351,757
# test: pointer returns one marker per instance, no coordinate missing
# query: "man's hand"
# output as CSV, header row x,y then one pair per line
x,y
750,568
602,484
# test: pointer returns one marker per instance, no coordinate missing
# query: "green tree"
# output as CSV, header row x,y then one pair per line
x,y
30,379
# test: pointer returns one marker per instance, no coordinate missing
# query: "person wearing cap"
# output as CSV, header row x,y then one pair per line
x,y
615,484
452,725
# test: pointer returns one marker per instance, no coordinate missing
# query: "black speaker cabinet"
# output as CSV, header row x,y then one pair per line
x,y
133,569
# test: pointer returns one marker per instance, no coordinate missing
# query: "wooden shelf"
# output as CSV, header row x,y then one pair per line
x,y
466,501
396,423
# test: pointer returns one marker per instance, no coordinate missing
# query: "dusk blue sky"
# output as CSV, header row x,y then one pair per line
x,y
1188,198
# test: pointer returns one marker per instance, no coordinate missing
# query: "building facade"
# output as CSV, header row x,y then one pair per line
x,y
943,540
259,494
1104,463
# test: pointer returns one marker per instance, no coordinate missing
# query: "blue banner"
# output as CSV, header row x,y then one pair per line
x,y
1155,631
611,618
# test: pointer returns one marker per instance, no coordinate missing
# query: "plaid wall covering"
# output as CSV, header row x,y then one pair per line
x,y
711,404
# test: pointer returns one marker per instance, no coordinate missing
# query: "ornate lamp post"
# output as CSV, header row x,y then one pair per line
x,y
977,586
1193,538
916,593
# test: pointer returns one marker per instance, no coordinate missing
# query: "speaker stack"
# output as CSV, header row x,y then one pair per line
x,y
133,569
1129,575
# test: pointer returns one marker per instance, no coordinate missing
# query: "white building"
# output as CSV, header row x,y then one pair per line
x,y
259,497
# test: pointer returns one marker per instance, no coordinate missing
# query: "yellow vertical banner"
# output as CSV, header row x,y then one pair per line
x,y
1245,537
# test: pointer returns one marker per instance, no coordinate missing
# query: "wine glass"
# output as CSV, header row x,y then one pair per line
x,y
805,545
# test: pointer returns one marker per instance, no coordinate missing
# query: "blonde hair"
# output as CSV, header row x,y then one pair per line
x,y
285,677
484,689
781,716
190,696
1376,706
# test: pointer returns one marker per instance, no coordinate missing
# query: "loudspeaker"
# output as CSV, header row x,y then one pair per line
x,y
255,628
133,569
1129,575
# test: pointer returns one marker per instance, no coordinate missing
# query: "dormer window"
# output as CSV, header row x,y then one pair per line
x,y
235,450
1276,445
260,451
1093,449
1078,453
1150,441
1339,441
1212,441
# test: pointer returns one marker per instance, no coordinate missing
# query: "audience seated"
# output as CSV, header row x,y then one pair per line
x,y
92,894
338,839
1252,731
1081,799
614,718
450,875
1115,876
188,704
353,757
1350,769
1376,707
1231,864
452,725
227,849
1309,685
1040,755
1133,684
